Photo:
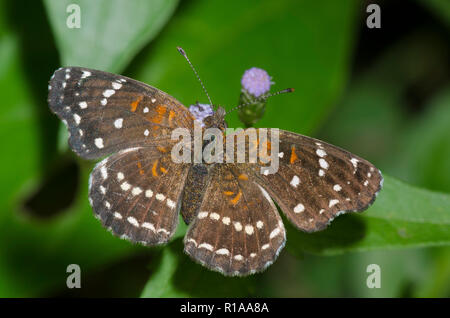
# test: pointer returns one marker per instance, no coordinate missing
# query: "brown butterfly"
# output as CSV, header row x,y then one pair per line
x,y
234,225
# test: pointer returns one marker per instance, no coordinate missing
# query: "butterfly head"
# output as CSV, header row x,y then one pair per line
x,y
216,120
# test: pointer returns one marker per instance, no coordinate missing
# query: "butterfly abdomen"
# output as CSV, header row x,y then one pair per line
x,y
196,182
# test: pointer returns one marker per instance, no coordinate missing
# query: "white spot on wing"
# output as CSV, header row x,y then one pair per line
x,y
249,229
202,215
274,233
85,74
321,152
116,85
133,221
149,226
299,208
295,181
125,186
104,172
214,216
333,202
323,163
108,93
99,143
223,251
118,123
136,191
207,246
171,204
77,119
148,193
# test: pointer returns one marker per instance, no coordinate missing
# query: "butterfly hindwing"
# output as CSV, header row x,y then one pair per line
x,y
317,181
237,230
106,112
136,193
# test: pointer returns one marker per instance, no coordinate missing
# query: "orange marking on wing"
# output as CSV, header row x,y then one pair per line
x,y
243,177
162,149
171,116
267,145
265,150
293,155
228,193
163,170
155,164
135,104
236,199
141,171
161,110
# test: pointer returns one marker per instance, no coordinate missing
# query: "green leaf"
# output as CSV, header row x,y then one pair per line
x,y
19,127
424,148
225,39
441,8
34,256
111,31
178,276
402,216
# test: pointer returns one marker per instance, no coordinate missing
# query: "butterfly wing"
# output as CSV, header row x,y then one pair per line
x,y
136,193
237,230
106,112
316,181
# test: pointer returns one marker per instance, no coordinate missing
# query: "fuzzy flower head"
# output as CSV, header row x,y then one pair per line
x,y
201,111
256,81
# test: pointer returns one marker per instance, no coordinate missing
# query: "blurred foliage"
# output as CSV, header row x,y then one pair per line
x,y
383,94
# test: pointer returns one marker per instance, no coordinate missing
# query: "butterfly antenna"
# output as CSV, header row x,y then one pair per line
x,y
195,72
263,97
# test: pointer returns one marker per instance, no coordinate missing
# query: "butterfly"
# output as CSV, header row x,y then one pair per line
x,y
138,191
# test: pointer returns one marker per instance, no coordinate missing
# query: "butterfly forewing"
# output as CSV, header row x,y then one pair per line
x,y
317,181
237,230
137,194
106,113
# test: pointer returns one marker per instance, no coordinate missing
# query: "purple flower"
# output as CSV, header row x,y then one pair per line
x,y
256,81
201,111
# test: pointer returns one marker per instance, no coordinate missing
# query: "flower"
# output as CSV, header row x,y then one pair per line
x,y
256,81
201,111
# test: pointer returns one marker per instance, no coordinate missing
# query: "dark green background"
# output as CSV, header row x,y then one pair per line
x,y
383,94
